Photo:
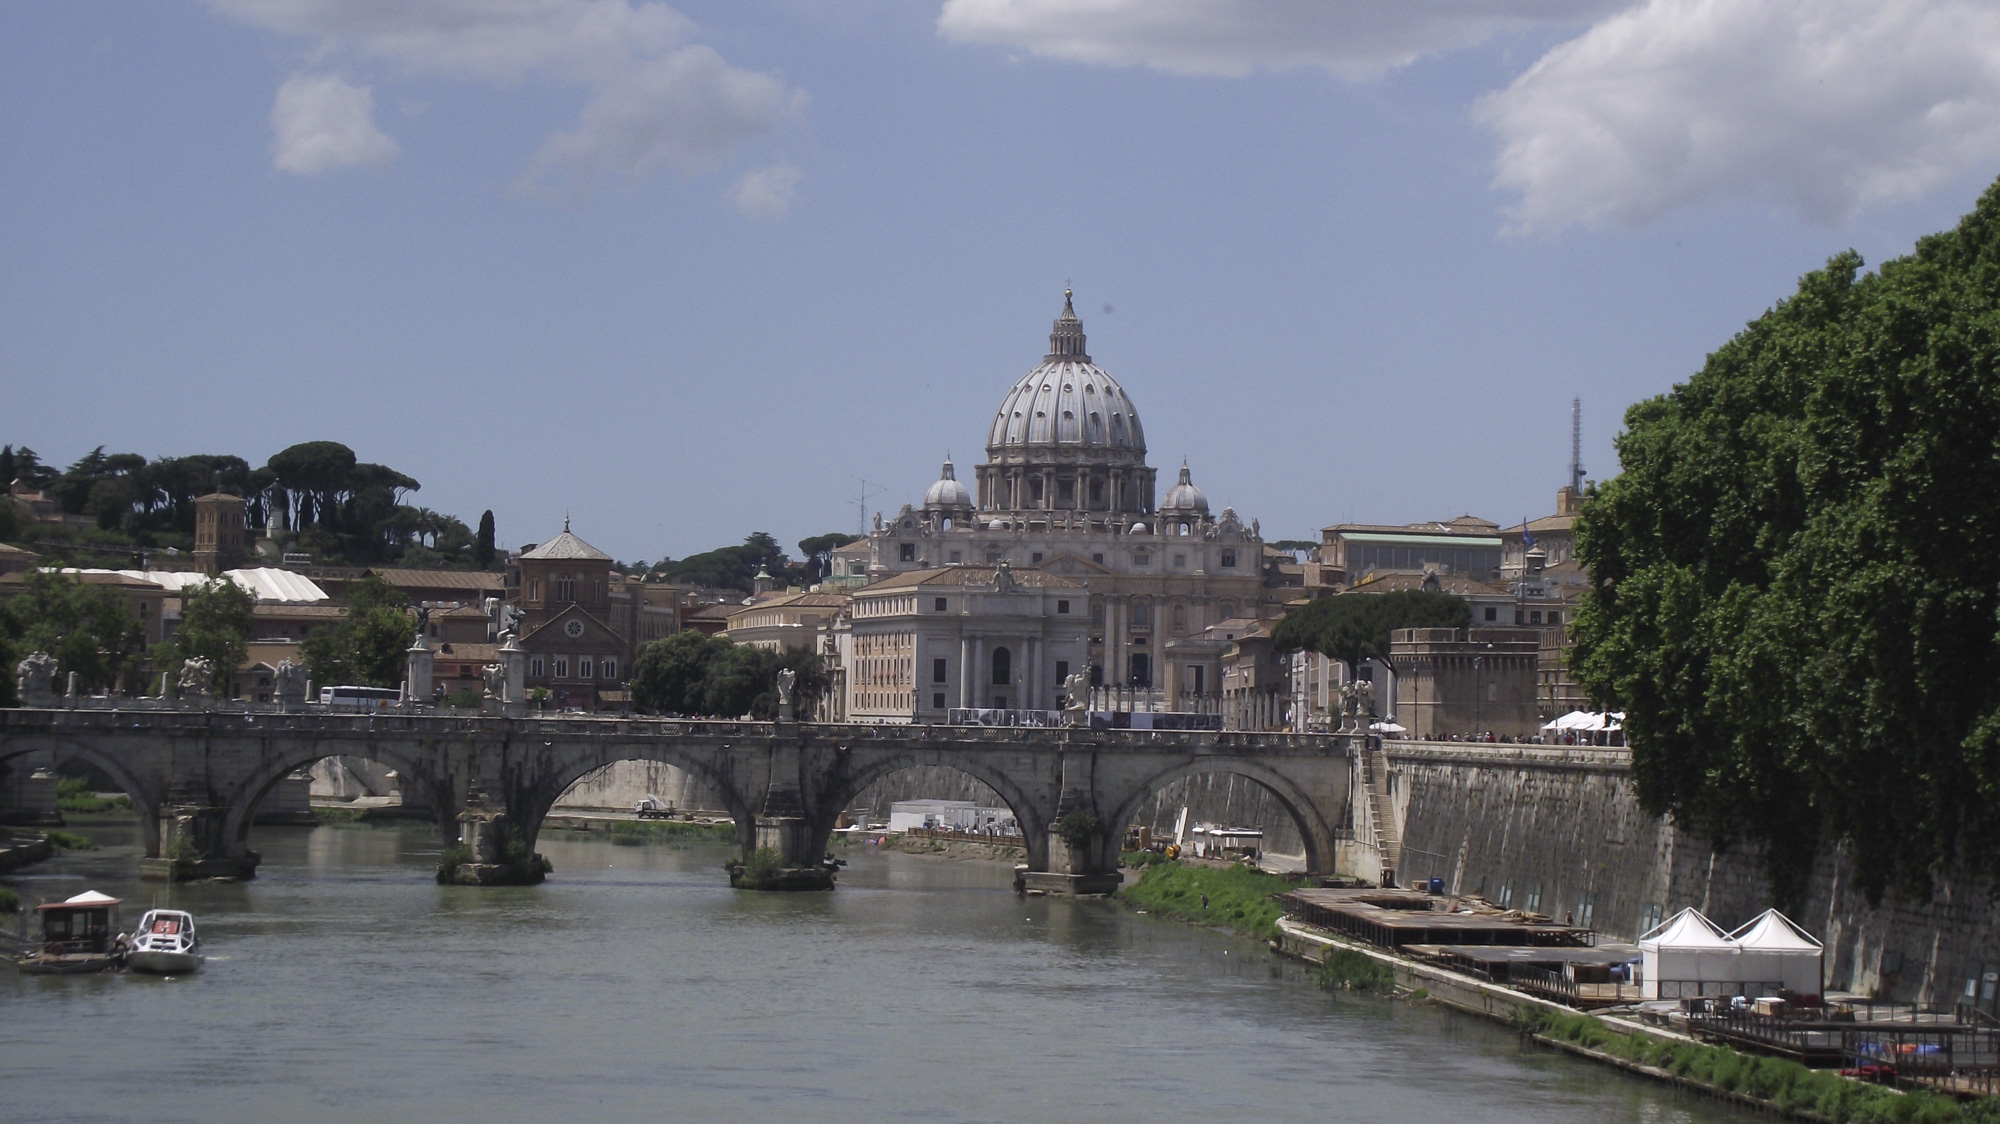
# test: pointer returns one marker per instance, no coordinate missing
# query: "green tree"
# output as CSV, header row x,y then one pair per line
x,y
482,549
1796,584
366,648
215,624
89,629
1353,627
729,567
818,554
667,673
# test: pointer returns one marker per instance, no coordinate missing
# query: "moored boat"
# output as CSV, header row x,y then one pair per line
x,y
76,936
164,943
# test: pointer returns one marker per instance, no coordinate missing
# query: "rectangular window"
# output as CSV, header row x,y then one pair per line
x,y
1034,557
938,671
937,701
562,667
937,605
566,588
534,589
908,552
535,667
1649,918
1492,614
1062,606
1097,558
1534,616
1180,561
1142,559
993,557
585,668
956,557
1518,617
1555,616
1062,670
1229,560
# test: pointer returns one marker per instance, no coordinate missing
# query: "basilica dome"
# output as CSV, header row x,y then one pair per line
x,y
1068,402
948,492
1184,497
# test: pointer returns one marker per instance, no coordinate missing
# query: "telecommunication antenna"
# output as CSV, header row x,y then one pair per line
x,y
861,499
1576,444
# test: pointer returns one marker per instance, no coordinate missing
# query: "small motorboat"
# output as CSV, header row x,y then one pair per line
x,y
76,936
164,944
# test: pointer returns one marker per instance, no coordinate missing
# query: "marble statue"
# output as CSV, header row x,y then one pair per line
x,y
197,676
36,675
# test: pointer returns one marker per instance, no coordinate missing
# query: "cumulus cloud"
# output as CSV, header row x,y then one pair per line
x,y
1821,106
1355,39
655,99
767,192
320,122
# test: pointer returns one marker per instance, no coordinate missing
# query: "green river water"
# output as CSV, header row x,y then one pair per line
x,y
635,985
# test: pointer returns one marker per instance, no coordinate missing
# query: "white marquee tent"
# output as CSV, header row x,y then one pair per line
x,y
1773,953
1687,954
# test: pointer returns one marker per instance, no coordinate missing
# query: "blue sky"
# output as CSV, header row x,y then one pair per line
x,y
686,272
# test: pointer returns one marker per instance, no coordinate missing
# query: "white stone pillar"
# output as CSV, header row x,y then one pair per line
x,y
417,684
965,671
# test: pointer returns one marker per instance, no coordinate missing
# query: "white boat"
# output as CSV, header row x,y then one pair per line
x,y
164,943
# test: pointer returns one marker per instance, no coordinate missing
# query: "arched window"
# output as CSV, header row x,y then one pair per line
x,y
1003,667
566,588
1180,618
1142,613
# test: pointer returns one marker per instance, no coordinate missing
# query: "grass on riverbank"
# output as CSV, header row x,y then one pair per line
x,y
70,841
1787,1084
634,833
73,795
1239,897
326,815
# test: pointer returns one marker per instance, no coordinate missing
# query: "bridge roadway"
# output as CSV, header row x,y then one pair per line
x,y
196,776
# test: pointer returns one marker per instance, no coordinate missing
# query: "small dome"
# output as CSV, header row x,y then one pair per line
x,y
1184,497
948,492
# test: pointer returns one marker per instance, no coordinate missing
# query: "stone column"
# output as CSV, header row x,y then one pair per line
x,y
965,660
514,699
417,684
193,845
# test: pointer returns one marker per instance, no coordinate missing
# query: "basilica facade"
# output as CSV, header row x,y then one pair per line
x,y
1066,488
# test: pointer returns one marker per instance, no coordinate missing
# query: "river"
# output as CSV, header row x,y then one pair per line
x,y
345,985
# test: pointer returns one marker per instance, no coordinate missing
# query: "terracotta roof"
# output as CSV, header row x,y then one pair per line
x,y
796,601
716,612
567,547
484,653
96,577
469,580
7,549
970,576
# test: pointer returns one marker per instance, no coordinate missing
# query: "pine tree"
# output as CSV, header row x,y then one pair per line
x,y
482,550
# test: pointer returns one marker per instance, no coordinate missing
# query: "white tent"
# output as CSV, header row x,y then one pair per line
x,y
1773,952
1687,954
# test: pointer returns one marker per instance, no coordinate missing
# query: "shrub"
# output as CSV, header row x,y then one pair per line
x,y
1346,969
9,900
453,857
1077,829
69,841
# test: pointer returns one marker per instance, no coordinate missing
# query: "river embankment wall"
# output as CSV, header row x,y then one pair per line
x,y
1560,831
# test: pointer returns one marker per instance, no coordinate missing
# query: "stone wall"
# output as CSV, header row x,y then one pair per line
x,y
1560,830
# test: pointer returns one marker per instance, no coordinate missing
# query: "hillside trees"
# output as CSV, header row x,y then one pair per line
x,y
729,567
1796,594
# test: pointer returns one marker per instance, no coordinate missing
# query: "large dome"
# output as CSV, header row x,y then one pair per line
x,y
1067,401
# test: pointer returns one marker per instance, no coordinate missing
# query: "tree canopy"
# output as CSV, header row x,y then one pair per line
x,y
215,623
1796,594
729,567
89,629
1353,627
366,647
818,554
689,673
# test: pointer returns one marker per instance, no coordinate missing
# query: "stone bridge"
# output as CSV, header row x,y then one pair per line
x,y
197,776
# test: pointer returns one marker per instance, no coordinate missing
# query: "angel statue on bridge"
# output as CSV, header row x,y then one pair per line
x,y
1076,700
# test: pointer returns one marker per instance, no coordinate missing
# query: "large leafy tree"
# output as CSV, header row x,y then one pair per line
x,y
89,629
215,624
366,648
729,567
818,554
1353,627
689,673
1796,575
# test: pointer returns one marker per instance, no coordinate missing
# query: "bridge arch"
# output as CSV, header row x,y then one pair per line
x,y
146,798
1313,826
539,798
1033,815
248,794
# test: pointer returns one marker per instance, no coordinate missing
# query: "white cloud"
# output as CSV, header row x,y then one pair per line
x,y
320,122
767,192
1821,106
1352,38
655,99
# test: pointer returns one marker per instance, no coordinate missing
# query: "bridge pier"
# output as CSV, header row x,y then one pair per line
x,y
1082,841
195,844
786,851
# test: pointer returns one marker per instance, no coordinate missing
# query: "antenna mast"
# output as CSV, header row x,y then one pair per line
x,y
1576,445
861,499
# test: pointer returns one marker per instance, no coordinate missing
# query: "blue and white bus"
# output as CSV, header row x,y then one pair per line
x,y
359,698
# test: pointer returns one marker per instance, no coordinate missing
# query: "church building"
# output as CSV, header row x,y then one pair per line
x,y
1066,488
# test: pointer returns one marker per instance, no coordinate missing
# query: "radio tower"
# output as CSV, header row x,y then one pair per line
x,y
1576,445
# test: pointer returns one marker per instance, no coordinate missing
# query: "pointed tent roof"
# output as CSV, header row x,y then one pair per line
x,y
1686,929
567,547
1771,931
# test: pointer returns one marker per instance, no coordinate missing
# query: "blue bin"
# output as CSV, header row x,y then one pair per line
x,y
1437,885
